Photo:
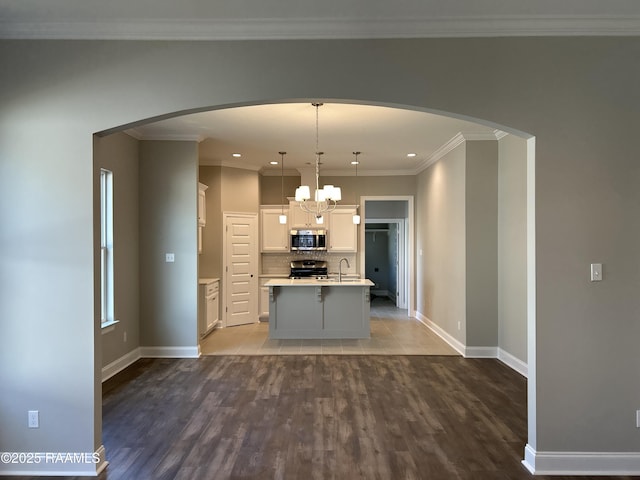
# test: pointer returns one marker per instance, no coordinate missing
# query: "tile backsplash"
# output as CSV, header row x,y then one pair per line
x,y
279,263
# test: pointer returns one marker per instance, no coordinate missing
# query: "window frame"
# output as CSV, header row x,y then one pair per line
x,y
107,297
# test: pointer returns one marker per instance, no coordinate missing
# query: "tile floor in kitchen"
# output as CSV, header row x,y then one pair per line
x,y
392,333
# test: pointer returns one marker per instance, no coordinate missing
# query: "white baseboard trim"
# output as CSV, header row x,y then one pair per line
x,y
515,363
474,352
169,352
102,463
581,463
128,359
120,364
455,344
481,352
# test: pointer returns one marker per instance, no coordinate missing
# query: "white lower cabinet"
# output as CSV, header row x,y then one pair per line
x,y
209,305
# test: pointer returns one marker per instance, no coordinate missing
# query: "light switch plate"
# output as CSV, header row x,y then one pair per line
x,y
596,272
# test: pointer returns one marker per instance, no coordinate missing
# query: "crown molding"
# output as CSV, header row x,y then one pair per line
x,y
139,135
134,132
499,134
325,28
228,164
455,141
274,172
366,173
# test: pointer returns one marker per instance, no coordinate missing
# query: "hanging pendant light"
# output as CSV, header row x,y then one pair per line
x,y
282,218
356,216
325,199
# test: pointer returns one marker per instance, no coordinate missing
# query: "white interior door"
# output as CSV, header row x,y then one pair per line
x,y
241,269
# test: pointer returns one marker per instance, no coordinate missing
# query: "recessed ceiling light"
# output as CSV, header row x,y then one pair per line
x,y
353,162
236,155
411,154
273,162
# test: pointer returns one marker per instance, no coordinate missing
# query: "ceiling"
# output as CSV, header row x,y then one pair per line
x,y
383,135
261,19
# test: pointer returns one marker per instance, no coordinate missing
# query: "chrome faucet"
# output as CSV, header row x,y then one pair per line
x,y
340,268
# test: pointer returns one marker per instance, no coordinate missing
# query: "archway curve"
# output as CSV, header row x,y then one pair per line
x,y
249,103
531,261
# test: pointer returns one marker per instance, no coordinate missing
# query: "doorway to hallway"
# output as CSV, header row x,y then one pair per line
x,y
387,249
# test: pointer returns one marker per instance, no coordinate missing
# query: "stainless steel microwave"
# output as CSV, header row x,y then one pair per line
x,y
306,240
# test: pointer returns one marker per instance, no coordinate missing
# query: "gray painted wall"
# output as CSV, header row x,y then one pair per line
x,y
271,188
240,191
512,246
575,94
441,244
210,260
168,224
355,187
388,208
230,190
481,232
119,153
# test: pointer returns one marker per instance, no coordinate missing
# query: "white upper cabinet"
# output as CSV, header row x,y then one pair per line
x,y
342,233
202,204
301,219
274,237
202,212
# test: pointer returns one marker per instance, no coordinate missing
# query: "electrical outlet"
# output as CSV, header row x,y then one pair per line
x,y
459,325
34,419
638,418
124,337
170,258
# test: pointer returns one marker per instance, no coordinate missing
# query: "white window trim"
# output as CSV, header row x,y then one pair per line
x,y
107,297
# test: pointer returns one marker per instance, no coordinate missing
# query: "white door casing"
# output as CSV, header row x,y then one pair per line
x,y
406,268
240,275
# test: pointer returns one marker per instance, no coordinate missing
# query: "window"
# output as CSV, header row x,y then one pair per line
x,y
106,247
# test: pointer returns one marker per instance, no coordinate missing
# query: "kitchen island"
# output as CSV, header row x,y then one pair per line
x,y
311,309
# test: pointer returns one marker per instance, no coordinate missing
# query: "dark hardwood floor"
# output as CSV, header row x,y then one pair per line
x,y
315,417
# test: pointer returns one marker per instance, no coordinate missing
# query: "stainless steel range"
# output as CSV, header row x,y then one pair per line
x,y
308,268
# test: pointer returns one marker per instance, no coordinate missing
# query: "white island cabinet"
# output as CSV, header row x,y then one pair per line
x,y
309,308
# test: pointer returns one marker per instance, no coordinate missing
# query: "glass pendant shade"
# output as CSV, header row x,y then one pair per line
x,y
282,219
303,193
356,219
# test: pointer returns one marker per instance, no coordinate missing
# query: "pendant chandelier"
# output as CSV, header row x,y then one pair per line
x,y
325,199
